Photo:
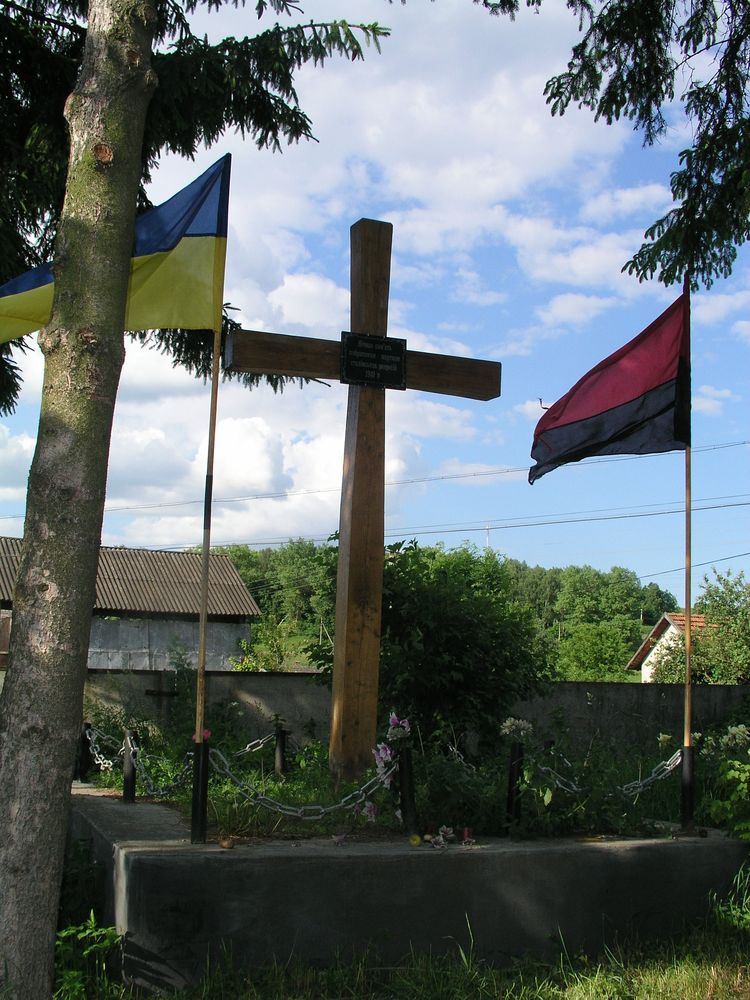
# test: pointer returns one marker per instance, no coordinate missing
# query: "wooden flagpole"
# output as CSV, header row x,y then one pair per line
x,y
688,774
200,770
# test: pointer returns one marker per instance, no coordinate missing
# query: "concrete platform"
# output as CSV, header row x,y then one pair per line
x,y
180,906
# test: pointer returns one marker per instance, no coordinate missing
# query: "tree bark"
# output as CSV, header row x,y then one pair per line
x,y
83,346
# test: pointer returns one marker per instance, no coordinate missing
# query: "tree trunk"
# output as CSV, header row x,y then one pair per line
x,y
83,346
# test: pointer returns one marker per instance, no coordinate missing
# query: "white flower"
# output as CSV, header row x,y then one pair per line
x,y
519,730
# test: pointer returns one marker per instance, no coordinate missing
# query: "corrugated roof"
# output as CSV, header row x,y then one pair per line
x,y
147,582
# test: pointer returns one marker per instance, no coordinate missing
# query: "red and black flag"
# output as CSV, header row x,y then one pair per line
x,y
635,402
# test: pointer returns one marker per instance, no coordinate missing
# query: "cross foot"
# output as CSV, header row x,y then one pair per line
x,y
359,585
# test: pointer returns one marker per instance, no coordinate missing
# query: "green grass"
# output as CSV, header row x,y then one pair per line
x,y
706,962
710,963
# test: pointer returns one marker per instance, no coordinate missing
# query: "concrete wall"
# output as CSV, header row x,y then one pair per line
x,y
299,698
627,713
146,644
181,906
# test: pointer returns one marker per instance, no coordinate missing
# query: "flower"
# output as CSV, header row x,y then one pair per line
x,y
206,735
398,729
370,811
664,739
384,757
736,737
519,730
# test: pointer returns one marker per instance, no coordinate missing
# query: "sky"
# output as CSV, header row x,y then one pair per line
x,y
510,231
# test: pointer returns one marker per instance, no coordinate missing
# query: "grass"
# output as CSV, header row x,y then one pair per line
x,y
710,961
706,963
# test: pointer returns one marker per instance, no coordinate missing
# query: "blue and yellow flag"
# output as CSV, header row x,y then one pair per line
x,y
176,274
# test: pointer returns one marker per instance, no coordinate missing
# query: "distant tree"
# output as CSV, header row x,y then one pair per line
x,y
598,651
534,586
655,602
720,651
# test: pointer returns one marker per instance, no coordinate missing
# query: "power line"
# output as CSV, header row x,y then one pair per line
x,y
447,477
681,569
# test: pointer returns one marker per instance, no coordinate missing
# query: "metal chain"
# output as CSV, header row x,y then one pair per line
x,y
455,752
94,736
255,745
662,770
630,790
563,783
146,779
350,801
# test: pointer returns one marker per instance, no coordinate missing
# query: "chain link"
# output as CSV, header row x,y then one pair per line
x,y
152,789
630,790
255,745
313,812
662,770
94,736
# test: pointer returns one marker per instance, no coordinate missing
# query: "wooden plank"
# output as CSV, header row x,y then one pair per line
x,y
452,376
308,357
359,589
279,354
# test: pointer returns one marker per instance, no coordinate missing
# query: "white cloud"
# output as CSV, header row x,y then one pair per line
x,y
16,451
312,301
715,307
626,202
710,401
574,309
532,409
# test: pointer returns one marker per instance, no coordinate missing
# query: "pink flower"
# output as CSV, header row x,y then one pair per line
x,y
370,811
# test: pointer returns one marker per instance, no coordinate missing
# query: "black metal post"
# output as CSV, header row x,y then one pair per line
x,y
406,791
687,788
515,770
279,757
84,759
128,768
199,819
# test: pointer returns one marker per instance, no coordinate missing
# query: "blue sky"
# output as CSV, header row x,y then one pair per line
x,y
510,231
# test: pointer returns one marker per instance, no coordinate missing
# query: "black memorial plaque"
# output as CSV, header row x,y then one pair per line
x,y
379,361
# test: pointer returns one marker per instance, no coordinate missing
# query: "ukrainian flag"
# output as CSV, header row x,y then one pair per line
x,y
176,274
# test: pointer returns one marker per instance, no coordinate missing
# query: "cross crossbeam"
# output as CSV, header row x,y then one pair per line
x,y
360,568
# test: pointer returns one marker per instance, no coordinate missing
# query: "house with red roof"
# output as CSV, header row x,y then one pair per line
x,y
668,631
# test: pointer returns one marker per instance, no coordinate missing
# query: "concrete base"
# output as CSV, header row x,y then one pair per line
x,y
181,906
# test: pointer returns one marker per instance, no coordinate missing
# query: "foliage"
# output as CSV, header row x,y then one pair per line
x,y
634,59
81,954
594,619
244,84
598,651
292,587
720,652
455,645
566,790
730,754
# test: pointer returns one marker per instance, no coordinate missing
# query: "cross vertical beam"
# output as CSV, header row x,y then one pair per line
x,y
360,566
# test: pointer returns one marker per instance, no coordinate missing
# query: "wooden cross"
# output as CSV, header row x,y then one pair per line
x,y
360,566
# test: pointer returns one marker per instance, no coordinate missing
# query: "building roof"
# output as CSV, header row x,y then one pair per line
x,y
673,618
145,583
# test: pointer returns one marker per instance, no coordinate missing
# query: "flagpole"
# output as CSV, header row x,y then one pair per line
x,y
688,774
200,770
